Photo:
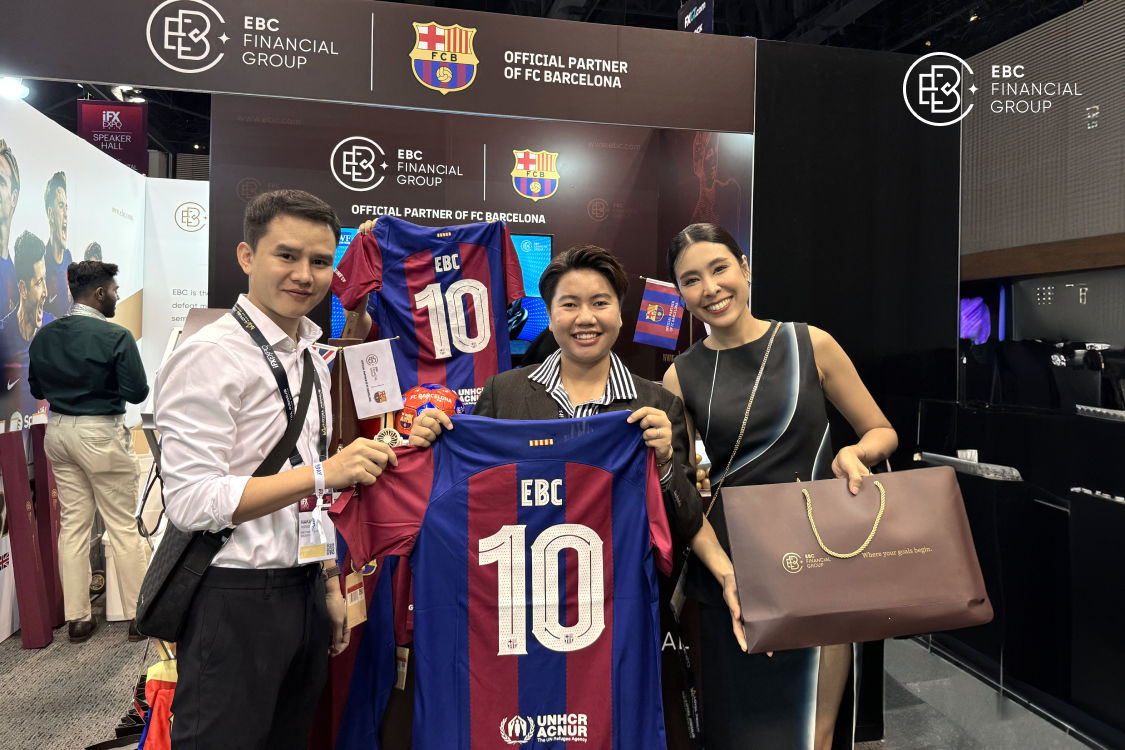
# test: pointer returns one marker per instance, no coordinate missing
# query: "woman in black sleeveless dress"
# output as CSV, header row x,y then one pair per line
x,y
789,699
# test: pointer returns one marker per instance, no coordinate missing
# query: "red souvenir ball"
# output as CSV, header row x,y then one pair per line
x,y
427,396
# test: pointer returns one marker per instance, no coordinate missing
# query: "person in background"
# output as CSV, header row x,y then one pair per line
x,y
761,700
58,258
19,326
9,197
93,252
87,368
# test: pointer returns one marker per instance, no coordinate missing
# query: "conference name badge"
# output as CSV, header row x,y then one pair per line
x,y
316,532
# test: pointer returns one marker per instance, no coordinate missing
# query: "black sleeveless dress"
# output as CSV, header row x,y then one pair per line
x,y
754,701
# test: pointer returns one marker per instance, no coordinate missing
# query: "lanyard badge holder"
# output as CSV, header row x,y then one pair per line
x,y
316,532
317,538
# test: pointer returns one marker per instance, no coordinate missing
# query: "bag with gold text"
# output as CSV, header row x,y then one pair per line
x,y
816,565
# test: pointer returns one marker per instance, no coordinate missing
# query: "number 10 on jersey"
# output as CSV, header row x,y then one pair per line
x,y
508,551
449,316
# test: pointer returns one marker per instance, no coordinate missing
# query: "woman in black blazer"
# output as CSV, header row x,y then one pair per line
x,y
584,289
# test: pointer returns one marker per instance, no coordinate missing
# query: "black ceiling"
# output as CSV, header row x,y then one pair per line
x,y
180,121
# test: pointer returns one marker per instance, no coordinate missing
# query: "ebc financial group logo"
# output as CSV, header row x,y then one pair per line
x,y
358,163
183,35
933,90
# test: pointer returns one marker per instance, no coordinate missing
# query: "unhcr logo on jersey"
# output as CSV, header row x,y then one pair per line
x,y
519,730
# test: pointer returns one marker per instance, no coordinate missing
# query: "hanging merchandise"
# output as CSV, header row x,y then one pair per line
x,y
441,292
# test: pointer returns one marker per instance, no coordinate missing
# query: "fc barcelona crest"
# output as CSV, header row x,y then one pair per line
x,y
534,175
443,57
654,312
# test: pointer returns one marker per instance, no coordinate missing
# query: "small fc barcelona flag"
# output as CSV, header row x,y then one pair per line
x,y
661,313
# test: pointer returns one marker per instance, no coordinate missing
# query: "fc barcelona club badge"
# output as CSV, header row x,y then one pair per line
x,y
534,175
443,57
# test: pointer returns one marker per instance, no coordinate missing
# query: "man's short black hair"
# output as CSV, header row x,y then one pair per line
x,y
262,209
28,251
87,275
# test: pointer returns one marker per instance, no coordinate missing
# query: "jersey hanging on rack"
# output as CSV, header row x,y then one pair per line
x,y
444,292
535,600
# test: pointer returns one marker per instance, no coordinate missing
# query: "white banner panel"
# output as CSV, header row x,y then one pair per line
x,y
176,217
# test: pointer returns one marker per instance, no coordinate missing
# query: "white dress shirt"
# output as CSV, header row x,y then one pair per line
x,y
219,413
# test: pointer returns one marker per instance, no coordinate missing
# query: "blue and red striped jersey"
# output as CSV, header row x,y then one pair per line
x,y
444,292
532,546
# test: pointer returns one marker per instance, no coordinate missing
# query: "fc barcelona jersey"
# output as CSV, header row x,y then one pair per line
x,y
444,292
535,604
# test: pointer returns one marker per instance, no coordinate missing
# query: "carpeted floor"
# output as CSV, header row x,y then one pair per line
x,y
68,696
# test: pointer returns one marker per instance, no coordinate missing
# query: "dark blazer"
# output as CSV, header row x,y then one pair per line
x,y
511,395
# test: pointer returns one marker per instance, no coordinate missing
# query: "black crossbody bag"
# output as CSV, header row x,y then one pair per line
x,y
183,557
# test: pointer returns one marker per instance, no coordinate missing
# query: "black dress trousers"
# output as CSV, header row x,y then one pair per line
x,y
253,659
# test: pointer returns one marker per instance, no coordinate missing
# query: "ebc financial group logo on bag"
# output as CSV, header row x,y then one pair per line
x,y
181,35
933,90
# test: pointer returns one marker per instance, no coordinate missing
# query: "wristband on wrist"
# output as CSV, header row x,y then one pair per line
x,y
330,571
318,480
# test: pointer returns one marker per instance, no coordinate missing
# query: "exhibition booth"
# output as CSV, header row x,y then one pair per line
x,y
569,133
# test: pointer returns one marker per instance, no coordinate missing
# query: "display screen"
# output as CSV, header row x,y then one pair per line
x,y
346,237
534,251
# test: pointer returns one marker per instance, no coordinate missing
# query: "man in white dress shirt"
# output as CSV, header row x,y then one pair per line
x,y
253,656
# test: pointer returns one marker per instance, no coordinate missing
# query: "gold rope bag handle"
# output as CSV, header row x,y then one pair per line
x,y
874,528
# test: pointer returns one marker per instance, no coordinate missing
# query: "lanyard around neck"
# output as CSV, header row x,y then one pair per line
x,y
282,380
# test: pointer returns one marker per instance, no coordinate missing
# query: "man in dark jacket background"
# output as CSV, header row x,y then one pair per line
x,y
87,368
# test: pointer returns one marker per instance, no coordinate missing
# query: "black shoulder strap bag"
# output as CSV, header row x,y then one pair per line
x,y
183,556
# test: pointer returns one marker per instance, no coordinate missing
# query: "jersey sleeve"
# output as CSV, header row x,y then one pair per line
x,y
359,271
658,531
384,518
513,274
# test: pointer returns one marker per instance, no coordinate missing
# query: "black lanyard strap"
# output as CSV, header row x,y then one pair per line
x,y
282,379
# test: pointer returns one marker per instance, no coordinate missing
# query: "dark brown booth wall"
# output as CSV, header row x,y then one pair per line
x,y
855,230
855,224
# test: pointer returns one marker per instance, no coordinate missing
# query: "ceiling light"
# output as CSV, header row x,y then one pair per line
x,y
973,17
137,99
13,88
927,42
125,87
196,147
